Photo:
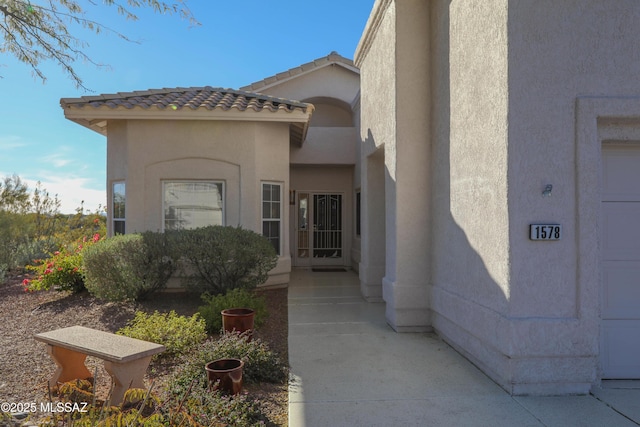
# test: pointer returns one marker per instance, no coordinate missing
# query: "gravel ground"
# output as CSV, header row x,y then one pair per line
x,y
25,366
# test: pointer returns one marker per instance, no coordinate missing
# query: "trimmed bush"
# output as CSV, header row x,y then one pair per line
x,y
218,258
178,334
235,298
129,266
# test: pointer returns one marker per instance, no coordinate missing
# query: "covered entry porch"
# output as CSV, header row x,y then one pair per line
x,y
321,216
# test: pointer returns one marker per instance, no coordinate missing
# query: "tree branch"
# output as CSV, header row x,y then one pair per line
x,y
35,33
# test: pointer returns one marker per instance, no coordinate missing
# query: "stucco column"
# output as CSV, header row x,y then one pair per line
x,y
372,265
408,218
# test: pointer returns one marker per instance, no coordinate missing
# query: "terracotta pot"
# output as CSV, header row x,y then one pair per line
x,y
225,375
238,319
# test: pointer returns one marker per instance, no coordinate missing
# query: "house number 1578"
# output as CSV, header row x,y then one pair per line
x,y
545,232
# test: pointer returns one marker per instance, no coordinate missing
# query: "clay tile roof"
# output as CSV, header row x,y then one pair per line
x,y
195,103
332,58
193,98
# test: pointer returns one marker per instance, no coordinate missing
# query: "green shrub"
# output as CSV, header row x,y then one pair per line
x,y
213,408
128,267
235,298
261,364
178,334
218,258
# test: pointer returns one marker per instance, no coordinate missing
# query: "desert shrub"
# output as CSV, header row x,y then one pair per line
x,y
128,267
219,258
235,298
178,334
213,408
201,407
139,408
62,270
27,251
260,363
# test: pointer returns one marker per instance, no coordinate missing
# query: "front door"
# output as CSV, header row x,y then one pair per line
x,y
319,229
620,330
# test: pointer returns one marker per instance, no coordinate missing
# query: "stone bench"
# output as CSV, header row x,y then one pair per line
x,y
125,359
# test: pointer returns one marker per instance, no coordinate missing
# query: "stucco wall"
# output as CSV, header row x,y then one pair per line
x,y
333,81
470,248
504,123
394,61
241,154
326,146
559,51
376,59
570,59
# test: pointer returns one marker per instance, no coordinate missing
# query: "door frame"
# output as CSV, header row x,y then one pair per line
x,y
309,260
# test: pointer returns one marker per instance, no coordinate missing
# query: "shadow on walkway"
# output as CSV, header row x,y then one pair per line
x,y
349,368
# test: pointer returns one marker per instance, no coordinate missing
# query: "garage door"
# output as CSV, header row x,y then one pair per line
x,y
620,330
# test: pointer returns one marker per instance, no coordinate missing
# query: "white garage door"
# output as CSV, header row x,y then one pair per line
x,y
620,331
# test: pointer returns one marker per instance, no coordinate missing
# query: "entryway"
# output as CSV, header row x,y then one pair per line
x,y
620,249
319,229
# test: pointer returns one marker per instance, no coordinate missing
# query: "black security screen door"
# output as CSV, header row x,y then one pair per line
x,y
327,226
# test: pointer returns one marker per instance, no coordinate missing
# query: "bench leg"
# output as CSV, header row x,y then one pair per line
x,y
70,365
126,375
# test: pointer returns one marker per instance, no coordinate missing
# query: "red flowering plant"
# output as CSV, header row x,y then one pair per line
x,y
61,271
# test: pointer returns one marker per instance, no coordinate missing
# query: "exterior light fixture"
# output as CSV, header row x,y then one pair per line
x,y
547,190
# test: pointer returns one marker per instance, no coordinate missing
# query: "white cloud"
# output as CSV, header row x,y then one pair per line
x,y
72,192
11,142
56,160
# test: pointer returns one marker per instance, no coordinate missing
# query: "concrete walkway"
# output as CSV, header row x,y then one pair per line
x,y
349,368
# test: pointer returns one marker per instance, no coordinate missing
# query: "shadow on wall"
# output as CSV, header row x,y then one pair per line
x,y
466,303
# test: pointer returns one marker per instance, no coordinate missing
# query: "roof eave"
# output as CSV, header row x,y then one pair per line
x,y
96,119
302,70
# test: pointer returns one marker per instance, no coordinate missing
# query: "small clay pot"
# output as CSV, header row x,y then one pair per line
x,y
225,375
238,319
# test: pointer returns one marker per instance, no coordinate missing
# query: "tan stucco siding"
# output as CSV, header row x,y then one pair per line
x,y
332,81
327,145
242,155
158,151
555,57
559,52
470,248
376,59
394,60
505,120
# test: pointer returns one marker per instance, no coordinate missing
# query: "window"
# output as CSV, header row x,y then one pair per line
x,y
118,207
193,204
271,214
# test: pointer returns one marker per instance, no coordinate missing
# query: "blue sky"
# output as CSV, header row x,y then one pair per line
x,y
238,42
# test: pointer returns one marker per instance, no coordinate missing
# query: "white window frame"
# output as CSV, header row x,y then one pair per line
x,y
114,214
194,181
280,212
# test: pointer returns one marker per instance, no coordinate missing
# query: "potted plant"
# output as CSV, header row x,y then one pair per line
x,y
238,319
239,309
225,375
